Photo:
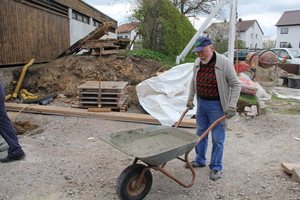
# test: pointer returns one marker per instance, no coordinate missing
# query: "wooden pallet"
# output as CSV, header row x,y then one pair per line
x,y
112,95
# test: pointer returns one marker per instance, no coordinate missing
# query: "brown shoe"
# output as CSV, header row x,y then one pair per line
x,y
8,158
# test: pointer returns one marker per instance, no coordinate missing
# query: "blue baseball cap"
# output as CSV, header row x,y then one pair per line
x,y
201,43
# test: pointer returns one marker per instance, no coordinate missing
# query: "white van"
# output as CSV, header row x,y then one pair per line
x,y
288,55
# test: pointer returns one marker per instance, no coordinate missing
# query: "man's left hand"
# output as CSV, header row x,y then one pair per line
x,y
230,112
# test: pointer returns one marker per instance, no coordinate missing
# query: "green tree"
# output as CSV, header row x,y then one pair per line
x,y
163,27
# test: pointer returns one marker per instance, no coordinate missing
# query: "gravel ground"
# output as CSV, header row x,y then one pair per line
x,y
66,159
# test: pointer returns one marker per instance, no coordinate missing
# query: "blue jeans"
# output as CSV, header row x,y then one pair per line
x,y
7,129
207,113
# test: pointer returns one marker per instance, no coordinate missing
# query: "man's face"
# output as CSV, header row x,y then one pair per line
x,y
206,54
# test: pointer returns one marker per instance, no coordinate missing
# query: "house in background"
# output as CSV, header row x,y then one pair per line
x,y
248,31
42,29
128,31
288,29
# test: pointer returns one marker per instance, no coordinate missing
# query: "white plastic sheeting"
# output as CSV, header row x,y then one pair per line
x,y
165,96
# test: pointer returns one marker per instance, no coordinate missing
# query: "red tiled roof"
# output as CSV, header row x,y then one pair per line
x,y
124,28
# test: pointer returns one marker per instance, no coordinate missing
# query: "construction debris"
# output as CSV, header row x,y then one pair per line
x,y
94,44
251,111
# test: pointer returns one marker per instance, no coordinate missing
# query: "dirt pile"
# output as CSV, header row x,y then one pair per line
x,y
64,75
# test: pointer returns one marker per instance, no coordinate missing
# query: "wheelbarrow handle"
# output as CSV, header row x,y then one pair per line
x,y
211,127
181,117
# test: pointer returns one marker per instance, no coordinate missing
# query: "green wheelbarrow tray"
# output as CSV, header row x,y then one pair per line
x,y
154,145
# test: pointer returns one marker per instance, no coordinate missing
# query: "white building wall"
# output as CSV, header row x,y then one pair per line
x,y
253,37
79,30
129,35
292,36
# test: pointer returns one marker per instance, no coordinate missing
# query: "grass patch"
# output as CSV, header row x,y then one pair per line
x,y
251,99
167,61
274,97
284,106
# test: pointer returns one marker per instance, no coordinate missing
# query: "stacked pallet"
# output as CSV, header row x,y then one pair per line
x,y
112,94
107,46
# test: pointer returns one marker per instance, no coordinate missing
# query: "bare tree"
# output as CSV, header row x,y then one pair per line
x,y
190,8
218,32
196,8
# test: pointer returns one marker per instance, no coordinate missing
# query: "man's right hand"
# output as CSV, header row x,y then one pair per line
x,y
190,104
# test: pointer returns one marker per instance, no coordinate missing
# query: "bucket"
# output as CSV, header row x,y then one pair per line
x,y
285,80
294,82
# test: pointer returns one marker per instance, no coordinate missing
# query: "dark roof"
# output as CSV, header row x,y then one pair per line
x,y
125,28
241,26
289,18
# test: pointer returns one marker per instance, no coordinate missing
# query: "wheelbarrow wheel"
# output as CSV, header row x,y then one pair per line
x,y
126,183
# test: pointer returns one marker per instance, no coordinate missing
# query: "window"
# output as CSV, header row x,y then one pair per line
x,y
80,17
283,44
96,23
256,36
284,30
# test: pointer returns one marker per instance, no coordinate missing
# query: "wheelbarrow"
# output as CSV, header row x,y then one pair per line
x,y
154,146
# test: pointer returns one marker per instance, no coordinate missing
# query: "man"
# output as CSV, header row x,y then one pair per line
x,y
8,133
217,90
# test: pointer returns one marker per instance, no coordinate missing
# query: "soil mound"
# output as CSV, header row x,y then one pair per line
x,y
64,75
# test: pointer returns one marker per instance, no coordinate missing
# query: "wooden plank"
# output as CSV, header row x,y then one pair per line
x,y
99,110
106,103
103,92
104,85
107,52
288,167
296,174
118,116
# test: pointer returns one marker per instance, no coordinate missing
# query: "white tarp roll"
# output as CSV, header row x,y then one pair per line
x,y
165,96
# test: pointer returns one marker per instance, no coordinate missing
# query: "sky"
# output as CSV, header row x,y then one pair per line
x,y
266,12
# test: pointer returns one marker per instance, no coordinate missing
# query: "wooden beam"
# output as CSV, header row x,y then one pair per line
x,y
288,167
118,116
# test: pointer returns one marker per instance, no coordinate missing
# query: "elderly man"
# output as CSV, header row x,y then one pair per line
x,y
217,89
